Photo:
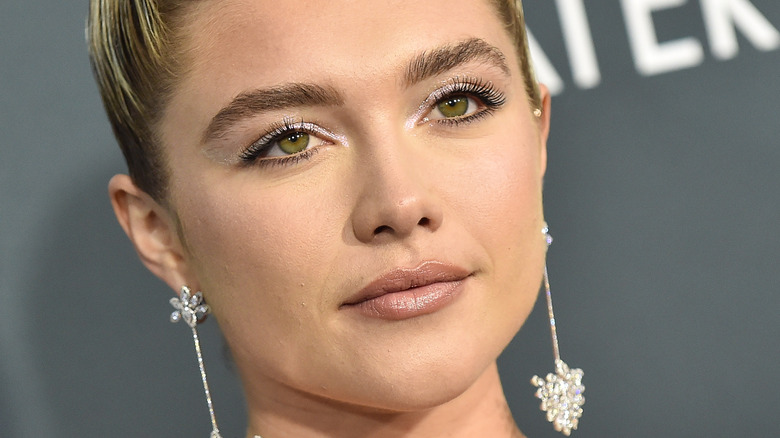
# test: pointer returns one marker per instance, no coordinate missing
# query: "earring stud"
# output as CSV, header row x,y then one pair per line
x,y
193,310
560,392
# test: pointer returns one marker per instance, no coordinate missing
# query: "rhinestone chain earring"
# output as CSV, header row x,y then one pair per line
x,y
193,310
561,393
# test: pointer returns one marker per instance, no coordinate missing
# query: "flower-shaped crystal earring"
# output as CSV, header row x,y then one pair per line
x,y
191,308
561,392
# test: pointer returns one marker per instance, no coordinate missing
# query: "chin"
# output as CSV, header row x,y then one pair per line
x,y
383,397
424,380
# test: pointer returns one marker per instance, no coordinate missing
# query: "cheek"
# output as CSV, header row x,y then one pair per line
x,y
257,252
500,193
500,206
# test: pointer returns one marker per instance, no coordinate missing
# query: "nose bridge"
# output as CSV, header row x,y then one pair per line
x,y
395,196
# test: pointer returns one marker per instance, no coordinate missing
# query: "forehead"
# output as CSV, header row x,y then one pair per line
x,y
297,40
359,48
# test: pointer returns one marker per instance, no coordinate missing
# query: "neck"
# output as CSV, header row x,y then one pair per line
x,y
481,410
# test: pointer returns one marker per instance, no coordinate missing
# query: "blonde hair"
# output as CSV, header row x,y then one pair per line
x,y
136,56
511,13
132,48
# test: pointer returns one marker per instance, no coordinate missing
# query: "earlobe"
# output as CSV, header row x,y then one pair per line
x,y
151,230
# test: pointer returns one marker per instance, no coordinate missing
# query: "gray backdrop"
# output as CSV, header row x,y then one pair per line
x,y
662,193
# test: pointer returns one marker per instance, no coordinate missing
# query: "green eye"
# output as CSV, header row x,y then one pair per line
x,y
454,106
294,143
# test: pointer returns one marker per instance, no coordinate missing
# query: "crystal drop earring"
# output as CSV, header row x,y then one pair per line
x,y
193,310
560,392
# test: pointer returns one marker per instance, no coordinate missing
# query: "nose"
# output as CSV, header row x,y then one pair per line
x,y
396,199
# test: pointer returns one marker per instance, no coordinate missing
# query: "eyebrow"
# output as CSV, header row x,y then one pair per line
x,y
251,103
442,59
421,67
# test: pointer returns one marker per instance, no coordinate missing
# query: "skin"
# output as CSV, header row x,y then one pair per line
x,y
278,249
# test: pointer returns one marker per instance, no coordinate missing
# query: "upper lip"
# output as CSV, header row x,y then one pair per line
x,y
401,279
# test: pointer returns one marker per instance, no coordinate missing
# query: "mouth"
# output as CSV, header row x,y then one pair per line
x,y
408,292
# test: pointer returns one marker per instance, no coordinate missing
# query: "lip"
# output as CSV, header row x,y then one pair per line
x,y
408,292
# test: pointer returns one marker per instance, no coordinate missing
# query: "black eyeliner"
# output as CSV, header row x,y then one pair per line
x,y
254,153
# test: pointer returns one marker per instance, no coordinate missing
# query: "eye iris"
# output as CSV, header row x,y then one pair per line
x,y
294,143
454,106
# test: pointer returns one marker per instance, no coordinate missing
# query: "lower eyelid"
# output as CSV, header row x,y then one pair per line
x,y
287,160
479,115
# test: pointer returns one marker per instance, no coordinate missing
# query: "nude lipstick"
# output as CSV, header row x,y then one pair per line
x,y
409,292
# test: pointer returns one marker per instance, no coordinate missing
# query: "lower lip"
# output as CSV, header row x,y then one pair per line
x,y
412,302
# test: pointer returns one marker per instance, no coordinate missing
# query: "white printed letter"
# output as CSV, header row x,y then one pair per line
x,y
545,72
579,43
650,57
722,17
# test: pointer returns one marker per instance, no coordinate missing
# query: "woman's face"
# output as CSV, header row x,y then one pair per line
x,y
358,187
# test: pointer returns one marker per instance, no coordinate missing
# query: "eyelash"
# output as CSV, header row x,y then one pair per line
x,y
254,153
485,92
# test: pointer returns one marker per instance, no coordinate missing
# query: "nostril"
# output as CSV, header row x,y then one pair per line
x,y
424,222
382,229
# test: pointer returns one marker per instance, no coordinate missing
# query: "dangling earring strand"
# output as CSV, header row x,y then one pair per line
x,y
561,392
191,308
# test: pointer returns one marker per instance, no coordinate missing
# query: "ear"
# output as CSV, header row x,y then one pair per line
x,y
544,125
152,230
